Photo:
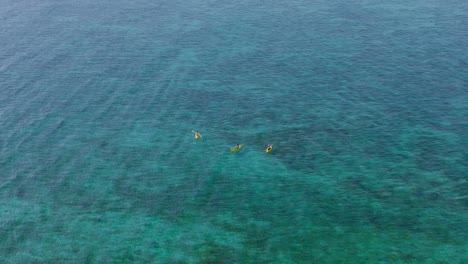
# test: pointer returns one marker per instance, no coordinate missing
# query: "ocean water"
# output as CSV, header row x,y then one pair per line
x,y
365,103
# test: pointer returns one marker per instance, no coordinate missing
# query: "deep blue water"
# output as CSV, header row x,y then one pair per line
x,y
365,103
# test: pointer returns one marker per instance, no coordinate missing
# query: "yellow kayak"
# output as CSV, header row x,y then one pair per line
x,y
197,135
269,149
236,148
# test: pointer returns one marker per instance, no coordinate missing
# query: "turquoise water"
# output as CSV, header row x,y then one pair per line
x,y
365,102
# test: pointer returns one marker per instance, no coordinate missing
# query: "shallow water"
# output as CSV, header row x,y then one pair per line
x,y
366,104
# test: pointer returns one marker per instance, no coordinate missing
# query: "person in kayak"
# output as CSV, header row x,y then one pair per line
x,y
269,148
236,148
197,134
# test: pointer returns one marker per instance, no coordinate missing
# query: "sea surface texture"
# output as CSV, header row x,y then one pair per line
x,y
365,103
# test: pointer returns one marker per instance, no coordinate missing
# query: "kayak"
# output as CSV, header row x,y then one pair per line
x,y
236,148
197,135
